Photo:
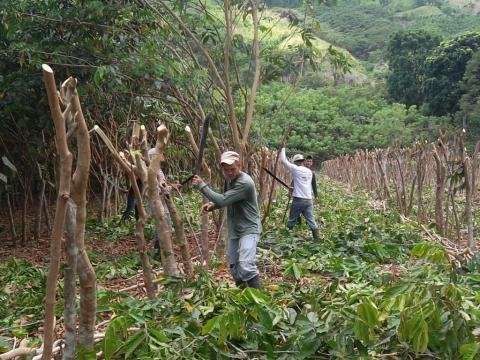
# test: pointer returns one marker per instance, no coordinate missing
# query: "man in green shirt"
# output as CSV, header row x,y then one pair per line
x,y
243,218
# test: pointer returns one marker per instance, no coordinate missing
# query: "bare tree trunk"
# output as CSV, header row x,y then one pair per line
x,y
468,201
87,278
69,290
420,178
140,226
103,212
466,164
441,171
11,221
204,216
24,217
38,217
116,193
180,236
163,228
455,216
256,74
60,212
204,235
109,200
226,79
475,166
46,214
222,236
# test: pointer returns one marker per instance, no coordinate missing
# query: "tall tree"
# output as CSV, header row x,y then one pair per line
x,y
444,71
406,54
469,113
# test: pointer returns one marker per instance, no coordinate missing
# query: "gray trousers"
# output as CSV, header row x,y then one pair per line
x,y
301,207
241,257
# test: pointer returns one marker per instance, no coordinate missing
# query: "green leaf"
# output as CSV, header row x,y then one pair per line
x,y
114,335
309,347
368,312
99,75
256,296
3,177
157,335
420,337
133,342
264,318
361,331
212,323
296,271
469,351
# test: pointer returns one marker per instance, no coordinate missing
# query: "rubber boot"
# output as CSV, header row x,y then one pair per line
x,y
254,282
316,234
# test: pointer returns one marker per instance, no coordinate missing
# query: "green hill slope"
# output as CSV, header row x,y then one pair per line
x,y
364,27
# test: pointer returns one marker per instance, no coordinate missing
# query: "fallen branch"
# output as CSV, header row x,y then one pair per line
x,y
21,351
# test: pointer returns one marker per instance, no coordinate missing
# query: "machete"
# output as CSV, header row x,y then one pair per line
x,y
201,149
276,178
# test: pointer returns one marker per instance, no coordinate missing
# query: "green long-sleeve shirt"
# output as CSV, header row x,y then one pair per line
x,y
240,198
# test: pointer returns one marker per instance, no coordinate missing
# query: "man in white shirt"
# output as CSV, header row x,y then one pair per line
x,y
302,203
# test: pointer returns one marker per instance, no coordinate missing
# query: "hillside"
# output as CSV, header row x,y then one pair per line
x,y
278,32
363,27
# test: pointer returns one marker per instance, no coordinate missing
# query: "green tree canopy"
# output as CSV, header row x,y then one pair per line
x,y
469,113
444,71
331,121
406,54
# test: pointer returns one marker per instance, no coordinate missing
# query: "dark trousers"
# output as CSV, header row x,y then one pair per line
x,y
131,202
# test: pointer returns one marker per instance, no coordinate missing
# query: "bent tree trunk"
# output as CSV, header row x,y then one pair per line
x,y
60,211
87,278
181,241
69,289
139,231
163,228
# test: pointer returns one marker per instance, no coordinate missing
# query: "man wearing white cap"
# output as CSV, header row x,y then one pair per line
x,y
302,202
243,218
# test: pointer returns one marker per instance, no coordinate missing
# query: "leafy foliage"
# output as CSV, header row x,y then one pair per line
x,y
364,27
444,71
22,291
469,113
337,120
406,54
341,299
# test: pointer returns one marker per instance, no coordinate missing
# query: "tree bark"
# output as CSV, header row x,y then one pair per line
x,y
38,215
46,214
440,172
24,216
61,208
11,221
256,74
163,228
69,289
140,226
87,278
180,236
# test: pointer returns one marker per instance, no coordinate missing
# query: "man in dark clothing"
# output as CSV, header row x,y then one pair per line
x,y
243,218
309,164
131,202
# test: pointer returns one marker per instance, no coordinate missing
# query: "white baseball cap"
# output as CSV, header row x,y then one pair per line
x,y
297,157
229,157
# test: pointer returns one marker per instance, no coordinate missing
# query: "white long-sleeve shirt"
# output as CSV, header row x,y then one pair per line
x,y
302,178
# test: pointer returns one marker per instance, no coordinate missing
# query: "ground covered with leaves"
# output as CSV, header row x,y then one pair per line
x,y
371,288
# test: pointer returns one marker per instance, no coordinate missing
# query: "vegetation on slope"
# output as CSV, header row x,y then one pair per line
x,y
370,287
